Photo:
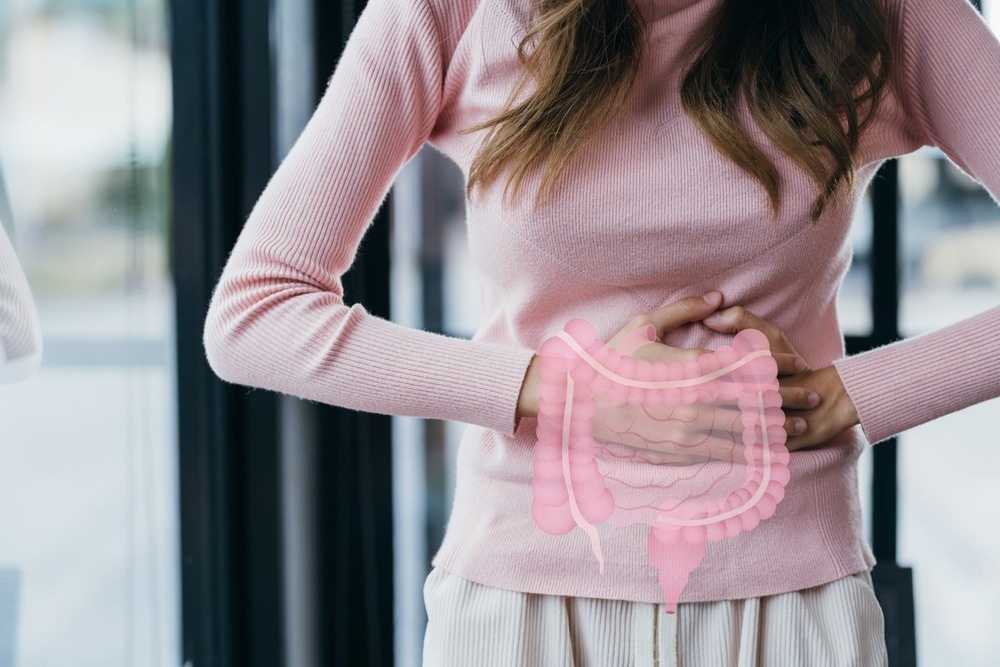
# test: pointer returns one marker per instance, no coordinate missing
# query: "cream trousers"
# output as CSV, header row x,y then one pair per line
x,y
472,625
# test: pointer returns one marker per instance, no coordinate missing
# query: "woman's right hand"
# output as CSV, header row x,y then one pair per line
x,y
686,432
662,320
641,339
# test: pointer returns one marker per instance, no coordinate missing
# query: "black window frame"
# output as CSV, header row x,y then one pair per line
x,y
234,599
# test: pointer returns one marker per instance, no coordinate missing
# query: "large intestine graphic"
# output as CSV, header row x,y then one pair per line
x,y
694,450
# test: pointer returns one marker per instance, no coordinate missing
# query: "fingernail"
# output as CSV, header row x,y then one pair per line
x,y
723,317
799,425
800,364
813,399
712,298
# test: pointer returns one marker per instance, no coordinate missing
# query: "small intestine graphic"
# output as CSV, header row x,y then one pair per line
x,y
694,450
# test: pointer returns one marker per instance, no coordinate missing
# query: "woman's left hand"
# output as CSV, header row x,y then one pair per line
x,y
832,412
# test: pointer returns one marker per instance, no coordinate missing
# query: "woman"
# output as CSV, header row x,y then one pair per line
x,y
623,160
20,334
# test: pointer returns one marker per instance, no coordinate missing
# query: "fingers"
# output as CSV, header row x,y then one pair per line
x,y
798,398
793,400
665,353
683,311
635,339
799,403
789,364
795,426
737,318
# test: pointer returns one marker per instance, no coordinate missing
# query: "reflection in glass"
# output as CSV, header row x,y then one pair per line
x,y
88,537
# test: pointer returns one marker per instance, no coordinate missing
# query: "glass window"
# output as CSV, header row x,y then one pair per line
x,y
854,302
950,238
950,242
433,287
88,519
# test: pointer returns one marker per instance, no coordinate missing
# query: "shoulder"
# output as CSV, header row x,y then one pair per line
x,y
923,30
455,17
942,20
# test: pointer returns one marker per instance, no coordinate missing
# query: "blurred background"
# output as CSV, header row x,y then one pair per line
x,y
88,497
99,457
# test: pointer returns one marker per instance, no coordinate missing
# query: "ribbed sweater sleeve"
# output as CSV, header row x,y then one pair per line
x,y
949,87
20,333
277,319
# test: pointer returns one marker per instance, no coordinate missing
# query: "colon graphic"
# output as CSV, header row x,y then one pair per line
x,y
694,450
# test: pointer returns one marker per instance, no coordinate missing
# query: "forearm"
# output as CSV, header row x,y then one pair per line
x,y
20,333
313,346
899,386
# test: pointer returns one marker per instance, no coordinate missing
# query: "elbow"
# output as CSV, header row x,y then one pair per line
x,y
21,346
20,361
272,333
232,338
221,347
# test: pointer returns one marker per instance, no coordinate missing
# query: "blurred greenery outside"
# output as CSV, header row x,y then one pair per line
x,y
92,217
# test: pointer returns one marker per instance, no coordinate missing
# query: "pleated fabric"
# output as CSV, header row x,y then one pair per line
x,y
469,624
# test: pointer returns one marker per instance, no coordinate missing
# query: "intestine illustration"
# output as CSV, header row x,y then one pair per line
x,y
695,450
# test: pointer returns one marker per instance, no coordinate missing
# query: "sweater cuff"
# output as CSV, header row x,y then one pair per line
x,y
439,377
911,382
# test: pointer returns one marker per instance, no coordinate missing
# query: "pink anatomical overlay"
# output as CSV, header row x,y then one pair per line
x,y
693,449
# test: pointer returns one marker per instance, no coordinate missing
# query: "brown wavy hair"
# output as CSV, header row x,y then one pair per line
x,y
812,73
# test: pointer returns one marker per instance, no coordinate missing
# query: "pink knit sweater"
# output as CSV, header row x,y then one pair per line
x,y
649,213
20,335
